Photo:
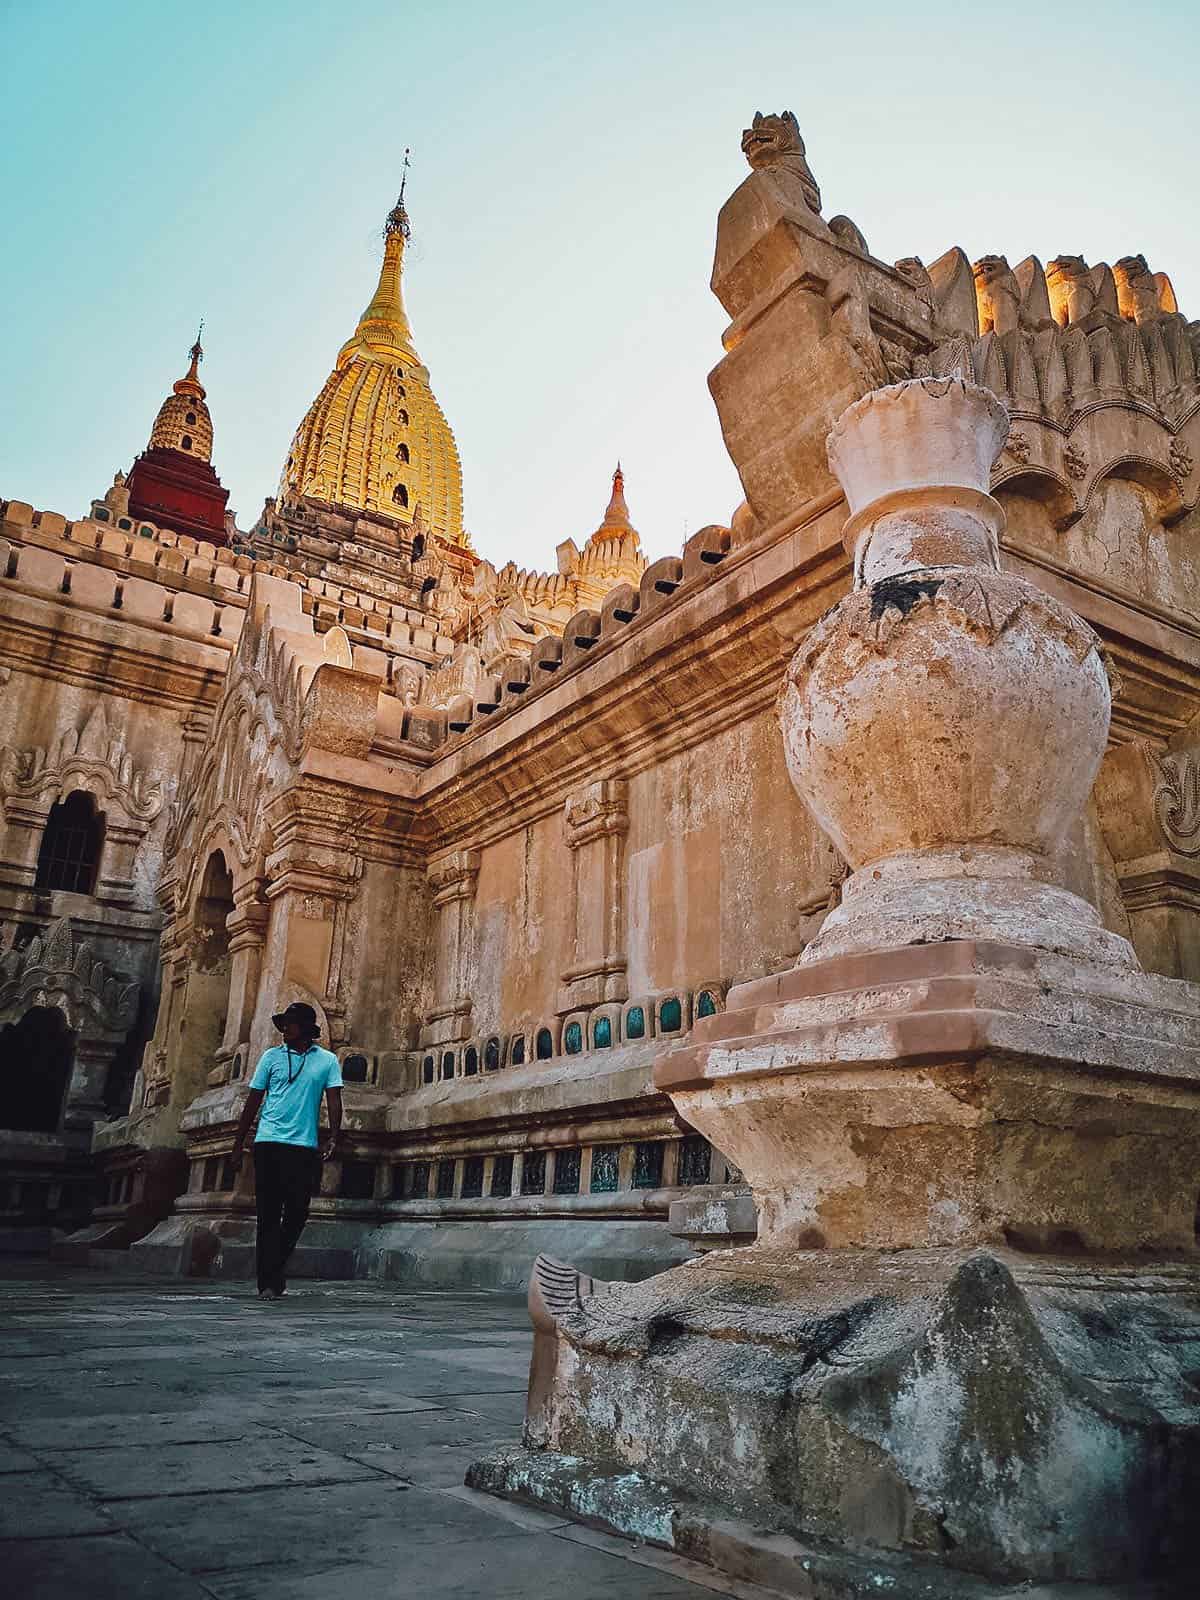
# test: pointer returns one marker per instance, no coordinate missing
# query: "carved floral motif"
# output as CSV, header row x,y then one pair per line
x,y
1181,459
1017,446
1177,800
95,760
55,969
1075,461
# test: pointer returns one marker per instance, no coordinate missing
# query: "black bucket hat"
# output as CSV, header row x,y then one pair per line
x,y
301,1013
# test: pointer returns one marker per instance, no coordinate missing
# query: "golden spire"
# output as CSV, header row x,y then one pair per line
x,y
375,438
383,328
191,383
617,513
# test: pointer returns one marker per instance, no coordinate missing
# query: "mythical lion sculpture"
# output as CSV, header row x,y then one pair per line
x,y
774,141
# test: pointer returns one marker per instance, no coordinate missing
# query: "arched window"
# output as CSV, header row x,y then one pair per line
x,y
447,1063
635,1023
418,548
706,1006
670,1016
101,514
404,416
545,1044
471,1061
516,1051
427,1070
354,1069
402,452
70,854
573,1039
602,1033
491,1055
190,418
400,495
186,442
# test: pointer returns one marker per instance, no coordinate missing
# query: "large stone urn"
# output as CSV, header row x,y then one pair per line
x,y
945,722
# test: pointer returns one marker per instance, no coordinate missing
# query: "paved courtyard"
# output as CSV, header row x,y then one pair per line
x,y
184,1440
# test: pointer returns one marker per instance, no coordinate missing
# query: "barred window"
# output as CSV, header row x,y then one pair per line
x,y
69,857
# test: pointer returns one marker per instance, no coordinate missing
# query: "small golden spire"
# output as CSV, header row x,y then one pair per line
x,y
617,513
383,328
191,383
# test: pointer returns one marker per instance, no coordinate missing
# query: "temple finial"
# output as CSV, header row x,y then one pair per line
x,y
397,220
190,382
617,513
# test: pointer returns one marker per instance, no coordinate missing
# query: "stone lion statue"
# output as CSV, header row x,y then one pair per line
x,y
774,141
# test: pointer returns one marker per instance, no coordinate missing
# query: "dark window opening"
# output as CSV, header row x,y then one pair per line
x,y
670,1016
190,418
491,1055
648,1165
354,1069
358,1180
400,495
35,1060
502,1175
472,1186
448,1064
69,857
427,1069
635,1023
418,547
573,1039
602,1033
606,1165
706,1006
567,1166
695,1159
471,1061
445,1180
186,442
402,452
545,1044
403,416
209,1174
418,1188
516,1053
533,1173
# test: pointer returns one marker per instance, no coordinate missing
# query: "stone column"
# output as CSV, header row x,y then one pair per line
x,y
452,879
84,1103
25,823
596,823
114,882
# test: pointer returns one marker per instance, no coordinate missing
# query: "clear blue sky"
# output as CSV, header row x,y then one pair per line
x,y
236,161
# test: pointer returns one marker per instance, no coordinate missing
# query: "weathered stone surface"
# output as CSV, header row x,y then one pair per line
x,y
1004,1415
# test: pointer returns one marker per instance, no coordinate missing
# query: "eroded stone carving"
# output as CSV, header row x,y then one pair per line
x,y
58,969
774,141
95,760
1177,800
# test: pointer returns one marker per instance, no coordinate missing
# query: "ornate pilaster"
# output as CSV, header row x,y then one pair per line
x,y
452,880
596,820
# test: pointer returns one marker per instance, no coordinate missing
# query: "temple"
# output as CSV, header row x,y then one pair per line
x,y
788,944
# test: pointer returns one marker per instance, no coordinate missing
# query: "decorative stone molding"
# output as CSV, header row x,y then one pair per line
x,y
54,969
596,821
95,760
597,811
452,879
1177,800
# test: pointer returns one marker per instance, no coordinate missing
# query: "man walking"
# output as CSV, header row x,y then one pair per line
x,y
290,1078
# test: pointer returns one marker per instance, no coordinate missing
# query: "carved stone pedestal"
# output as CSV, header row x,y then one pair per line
x,y
892,1370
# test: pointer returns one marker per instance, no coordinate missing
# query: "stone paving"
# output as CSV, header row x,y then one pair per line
x,y
183,1440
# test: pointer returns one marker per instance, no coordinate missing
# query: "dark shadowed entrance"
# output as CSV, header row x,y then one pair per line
x,y
35,1064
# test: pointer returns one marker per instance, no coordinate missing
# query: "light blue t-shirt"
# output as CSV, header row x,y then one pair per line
x,y
292,1109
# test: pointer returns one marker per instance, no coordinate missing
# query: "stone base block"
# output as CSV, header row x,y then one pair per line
x,y
427,1255
625,1502
498,1255
980,1413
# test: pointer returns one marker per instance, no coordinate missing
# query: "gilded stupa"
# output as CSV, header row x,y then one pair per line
x,y
375,439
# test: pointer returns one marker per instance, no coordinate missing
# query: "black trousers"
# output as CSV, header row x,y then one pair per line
x,y
286,1176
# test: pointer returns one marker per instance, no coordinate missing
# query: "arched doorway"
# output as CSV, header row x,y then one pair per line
x,y
36,1054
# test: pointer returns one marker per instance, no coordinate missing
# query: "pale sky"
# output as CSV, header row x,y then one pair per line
x,y
236,161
